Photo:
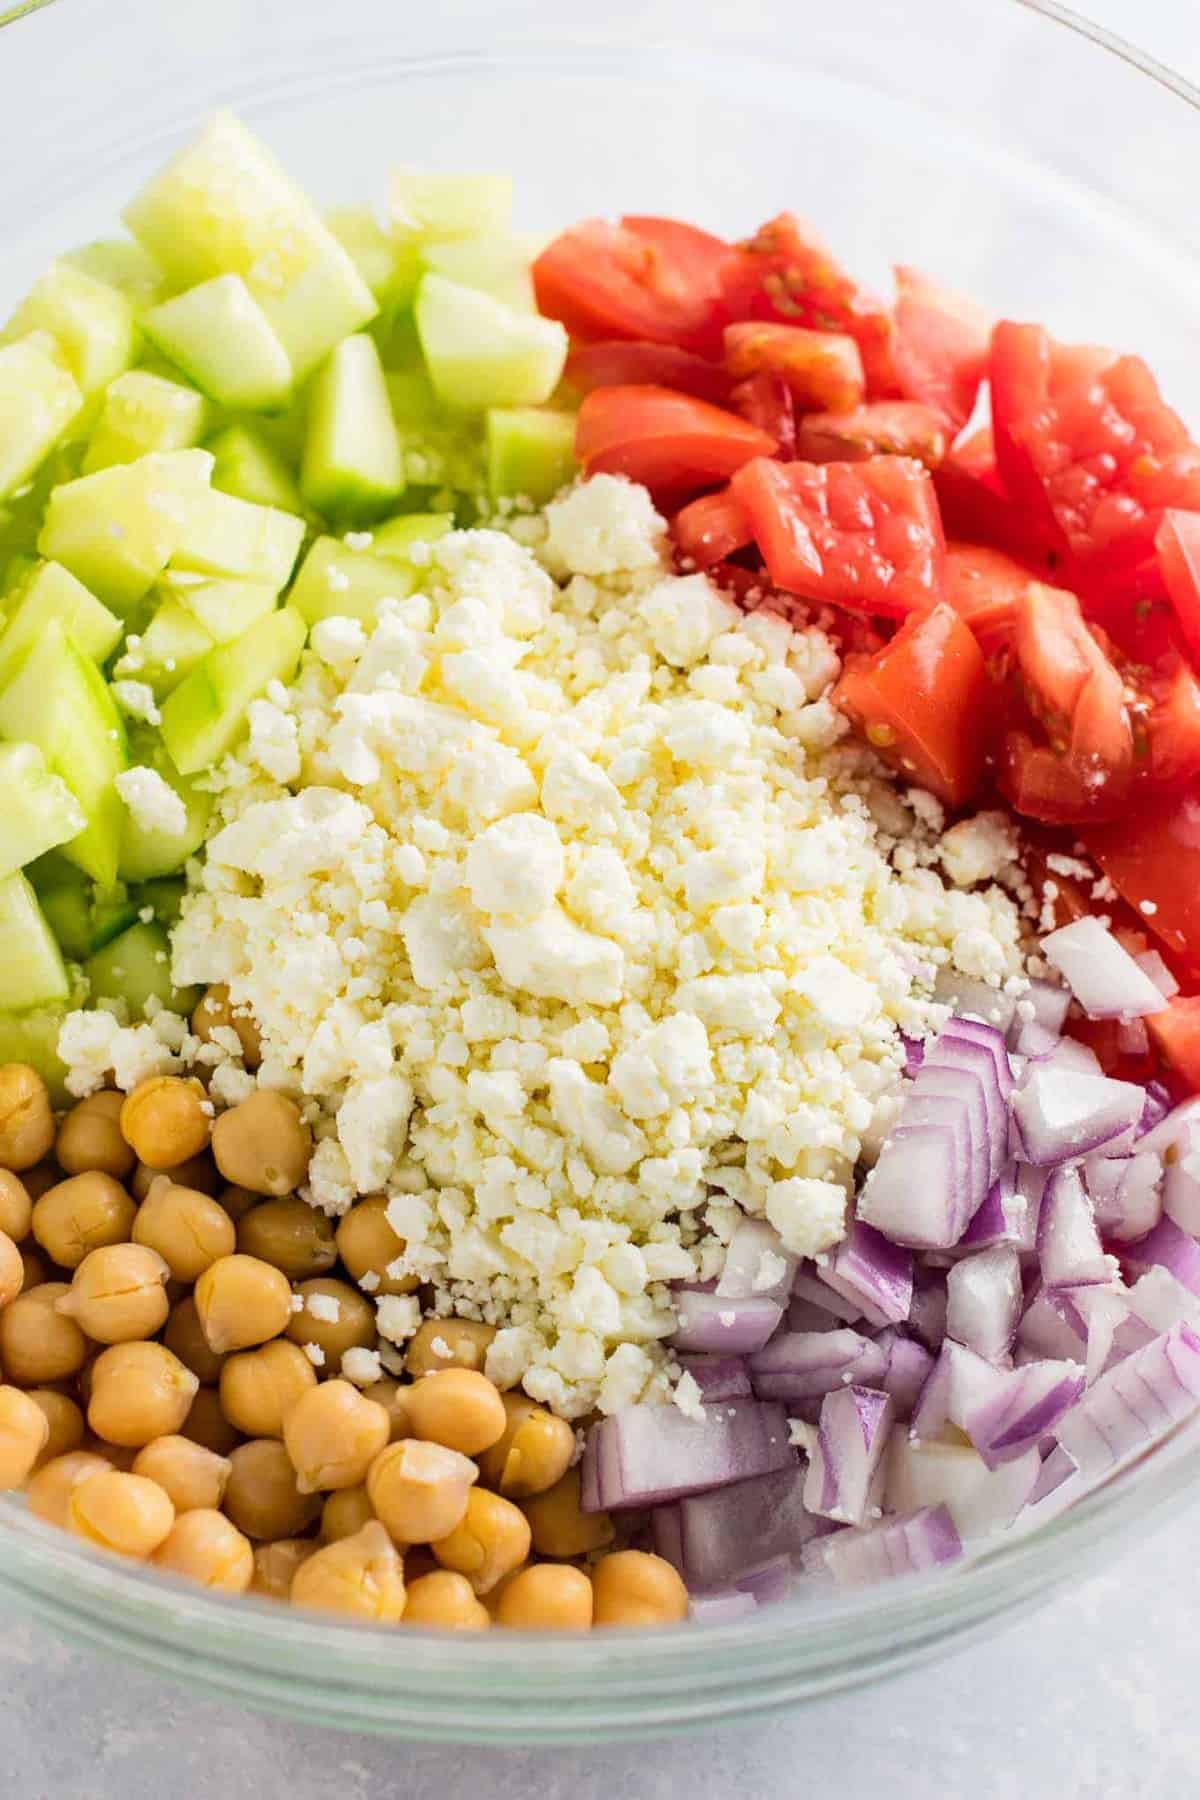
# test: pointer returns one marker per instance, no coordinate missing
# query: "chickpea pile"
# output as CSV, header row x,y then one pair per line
x,y
173,1319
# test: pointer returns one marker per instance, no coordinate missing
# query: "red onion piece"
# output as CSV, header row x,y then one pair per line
x,y
1068,1244
1050,1003
1170,1247
980,1500
1154,1111
808,1285
958,1385
645,1455
1135,1404
724,1533
666,1533
718,1377
972,998
799,1365
721,1607
712,1322
984,1300
1025,1405
845,1471
916,1194
1173,1128
1103,1311
1181,1182
1056,1468
756,1264
1051,1327
1034,1041
1101,974
1070,1055
773,1582
1152,964
927,1315
802,1315
1062,1114
1003,1218
908,1369
1126,1193
1159,1300
872,1273
914,1053
903,1547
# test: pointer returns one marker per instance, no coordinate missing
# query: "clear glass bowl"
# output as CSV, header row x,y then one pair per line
x,y
1001,144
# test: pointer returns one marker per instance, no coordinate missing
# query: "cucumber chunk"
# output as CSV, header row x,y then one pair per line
x,y
136,967
353,467
150,852
38,400
398,536
52,592
68,911
336,582
235,539
499,266
58,700
480,353
224,206
91,322
206,715
228,608
389,265
530,452
450,206
172,644
118,529
143,413
166,898
124,265
32,971
32,1038
39,811
221,338
250,468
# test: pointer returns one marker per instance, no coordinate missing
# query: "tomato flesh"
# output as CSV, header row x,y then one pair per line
x,y
711,529
1151,854
1178,548
984,585
941,346
620,363
653,280
1176,1034
767,402
1174,728
822,370
671,443
881,428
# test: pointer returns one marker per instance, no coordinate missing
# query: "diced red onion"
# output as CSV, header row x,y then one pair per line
x,y
1051,1327
1062,1115
908,1368
845,1471
1024,1406
1135,1404
1102,1311
980,1500
969,996
1181,1182
1133,1040
1070,1056
1170,1247
903,1547
927,1315
1050,1002
771,1583
798,1365
1004,1216
1159,1300
916,1194
1126,1193
958,1385
808,1285
1068,1244
802,1315
1152,964
1034,1041
756,1264
914,1053
718,1377
712,1322
723,1533
1101,974
1170,1130
939,1093
1057,1467
984,1300
645,1455
1154,1111
721,1607
872,1273
666,1532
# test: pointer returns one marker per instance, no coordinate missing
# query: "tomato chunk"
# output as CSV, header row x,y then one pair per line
x,y
1176,1033
712,528
923,702
1087,446
1178,548
865,536
1045,784
941,347
881,428
767,402
1174,728
975,506
670,442
654,280
617,363
1151,854
984,585
821,369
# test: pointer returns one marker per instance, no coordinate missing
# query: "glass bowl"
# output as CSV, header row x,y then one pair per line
x,y
1001,144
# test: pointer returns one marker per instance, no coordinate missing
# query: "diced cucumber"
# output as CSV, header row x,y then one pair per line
x,y
149,853
38,811
234,538
123,265
206,715
91,322
143,413
499,266
166,897
389,265
32,972
228,608
450,206
38,400
111,914
58,700
353,468
221,338
52,592
530,452
172,644
439,451
224,206
250,468
32,1038
136,967
51,871
68,913
117,529
397,537
480,353
336,582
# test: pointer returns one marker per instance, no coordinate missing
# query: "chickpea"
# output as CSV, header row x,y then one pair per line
x,y
262,1496
187,1228
216,1012
118,1294
24,1434
459,1408
546,1597
207,1425
490,1541
117,1456
184,1336
238,1201
631,1587
49,1490
259,1387
34,1269
26,1117
167,1119
139,1392
367,1244
37,1343
199,1172
263,1144
446,1602
394,1399
275,1566
123,1513
290,1235
352,1329
242,1302
12,1270
447,1344
42,1176
82,1214
559,1527
16,1206
420,1490
346,1511
195,1478
333,1436
64,1423
89,1138
361,1576
207,1547
533,1453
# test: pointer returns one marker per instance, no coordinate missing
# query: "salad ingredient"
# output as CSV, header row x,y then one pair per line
x,y
663,440
241,1302
533,1452
206,1548
139,1392
361,1576
23,1436
38,400
263,1144
650,280
333,1434
193,1478
123,1513
221,338
546,1597
490,1542
186,1228
560,1522
822,370
165,1121
89,1139
81,1214
290,1235
26,1118
420,1490
457,1408
631,1587
262,1496
38,1344
480,352
353,465
260,1387
446,1601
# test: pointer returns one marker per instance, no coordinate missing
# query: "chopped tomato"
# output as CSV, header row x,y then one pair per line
x,y
1108,1040
785,273
670,442
1178,548
923,701
1086,445
616,363
1151,854
712,528
653,280
941,346
1174,728
822,370
1176,1033
1056,653
881,428
984,586
1066,896
1045,784
865,536
748,588
767,402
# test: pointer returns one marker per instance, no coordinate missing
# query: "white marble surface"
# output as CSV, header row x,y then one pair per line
x,y
1092,1700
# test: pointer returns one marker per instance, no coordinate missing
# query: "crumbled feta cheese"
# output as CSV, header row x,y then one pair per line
x,y
397,1317
315,1355
979,849
153,803
605,526
362,1367
136,700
